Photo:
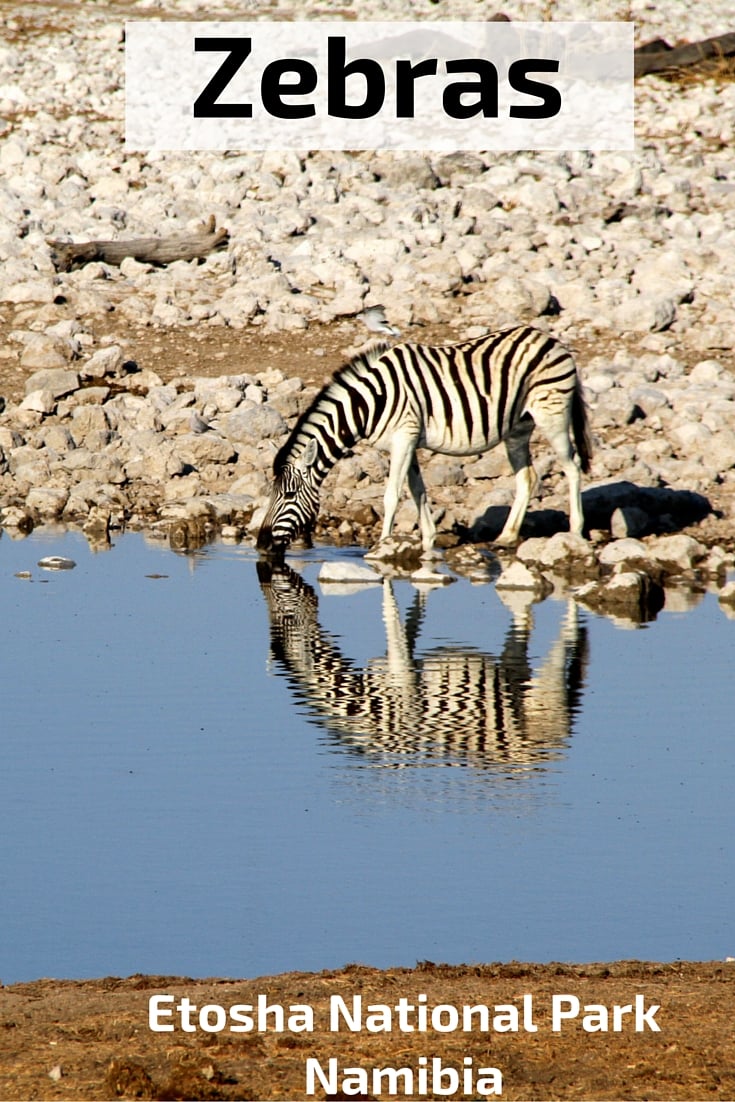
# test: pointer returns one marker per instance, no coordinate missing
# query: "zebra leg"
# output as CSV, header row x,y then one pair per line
x,y
516,445
418,493
397,653
402,449
555,427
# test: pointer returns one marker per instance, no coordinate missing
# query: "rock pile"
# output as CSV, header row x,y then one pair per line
x,y
112,444
625,256
104,444
613,244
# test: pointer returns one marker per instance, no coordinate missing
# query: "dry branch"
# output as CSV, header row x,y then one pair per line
x,y
148,250
656,56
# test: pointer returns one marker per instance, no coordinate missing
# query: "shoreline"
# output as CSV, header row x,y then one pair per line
x,y
94,1035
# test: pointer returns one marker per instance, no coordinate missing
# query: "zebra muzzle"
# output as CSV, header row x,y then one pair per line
x,y
269,545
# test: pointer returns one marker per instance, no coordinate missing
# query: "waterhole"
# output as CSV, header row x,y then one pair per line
x,y
215,767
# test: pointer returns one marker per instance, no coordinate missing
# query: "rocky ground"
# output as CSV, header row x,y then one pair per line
x,y
140,395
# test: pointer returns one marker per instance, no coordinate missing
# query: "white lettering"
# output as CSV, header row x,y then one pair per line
x,y
444,1018
618,1012
338,1009
156,1011
328,1082
595,1019
563,1007
184,1008
645,1018
379,1019
391,1077
489,1081
505,1019
240,1012
528,1022
220,1018
438,1080
355,1081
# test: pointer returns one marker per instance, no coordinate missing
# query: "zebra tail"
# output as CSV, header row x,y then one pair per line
x,y
581,428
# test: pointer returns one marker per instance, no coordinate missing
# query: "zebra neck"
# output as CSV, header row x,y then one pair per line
x,y
335,425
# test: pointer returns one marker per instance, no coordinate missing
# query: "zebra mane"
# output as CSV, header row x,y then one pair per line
x,y
366,357
363,359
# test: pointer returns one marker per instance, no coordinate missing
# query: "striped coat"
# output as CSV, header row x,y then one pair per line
x,y
459,399
443,704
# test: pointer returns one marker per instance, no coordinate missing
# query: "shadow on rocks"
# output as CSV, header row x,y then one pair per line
x,y
621,508
538,523
629,510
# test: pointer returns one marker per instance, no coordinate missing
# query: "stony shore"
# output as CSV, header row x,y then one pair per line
x,y
625,257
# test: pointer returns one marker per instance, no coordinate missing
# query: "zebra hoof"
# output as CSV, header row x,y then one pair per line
x,y
391,550
507,542
382,550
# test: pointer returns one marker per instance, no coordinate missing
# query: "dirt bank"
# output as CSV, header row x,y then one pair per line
x,y
91,1039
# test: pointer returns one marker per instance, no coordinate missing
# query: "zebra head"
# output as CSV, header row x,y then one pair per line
x,y
294,501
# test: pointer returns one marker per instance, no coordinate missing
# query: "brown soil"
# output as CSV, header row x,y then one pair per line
x,y
91,1039
312,354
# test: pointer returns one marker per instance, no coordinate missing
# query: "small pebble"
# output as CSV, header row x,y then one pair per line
x,y
56,562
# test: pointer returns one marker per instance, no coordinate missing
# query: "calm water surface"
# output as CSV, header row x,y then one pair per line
x,y
209,769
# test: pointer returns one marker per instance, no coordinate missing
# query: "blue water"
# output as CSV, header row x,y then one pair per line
x,y
185,791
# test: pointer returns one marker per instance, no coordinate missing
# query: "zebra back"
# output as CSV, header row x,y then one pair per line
x,y
464,398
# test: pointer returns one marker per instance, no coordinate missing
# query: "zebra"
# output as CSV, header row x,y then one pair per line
x,y
457,399
447,705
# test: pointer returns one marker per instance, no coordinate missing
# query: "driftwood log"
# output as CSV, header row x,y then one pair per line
x,y
148,250
656,56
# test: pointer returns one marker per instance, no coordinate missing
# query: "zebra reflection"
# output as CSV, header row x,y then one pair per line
x,y
450,705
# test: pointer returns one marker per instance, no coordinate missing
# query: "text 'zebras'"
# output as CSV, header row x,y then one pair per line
x,y
339,85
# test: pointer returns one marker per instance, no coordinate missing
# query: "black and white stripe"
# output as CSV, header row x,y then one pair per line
x,y
444,704
459,399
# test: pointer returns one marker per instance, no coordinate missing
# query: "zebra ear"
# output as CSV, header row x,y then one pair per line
x,y
308,456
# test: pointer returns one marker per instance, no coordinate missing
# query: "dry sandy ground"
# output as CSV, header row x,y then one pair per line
x,y
201,350
312,355
91,1040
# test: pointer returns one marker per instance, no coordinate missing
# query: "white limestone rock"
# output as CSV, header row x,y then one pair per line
x,y
676,553
516,575
56,381
341,571
621,553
